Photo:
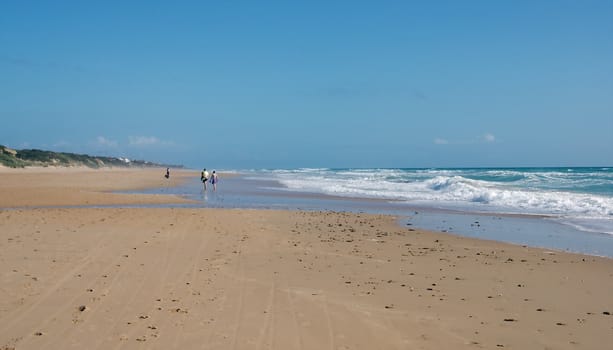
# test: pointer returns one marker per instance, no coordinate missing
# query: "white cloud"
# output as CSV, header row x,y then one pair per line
x,y
489,137
145,141
104,142
440,141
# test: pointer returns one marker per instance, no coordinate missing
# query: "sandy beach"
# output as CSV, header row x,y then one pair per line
x,y
80,186
203,278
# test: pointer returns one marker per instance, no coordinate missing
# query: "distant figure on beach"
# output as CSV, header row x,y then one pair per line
x,y
214,180
204,177
167,173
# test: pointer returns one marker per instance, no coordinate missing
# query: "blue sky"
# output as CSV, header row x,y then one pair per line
x,y
281,84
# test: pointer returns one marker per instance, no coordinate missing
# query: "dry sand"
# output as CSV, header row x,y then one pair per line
x,y
84,186
163,278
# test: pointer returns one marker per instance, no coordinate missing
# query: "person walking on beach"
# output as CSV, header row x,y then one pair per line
x,y
214,180
204,177
167,173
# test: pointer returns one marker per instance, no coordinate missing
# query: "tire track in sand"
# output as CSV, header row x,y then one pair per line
x,y
235,276
269,327
206,238
161,284
19,314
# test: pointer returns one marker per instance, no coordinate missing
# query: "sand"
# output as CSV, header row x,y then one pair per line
x,y
196,278
84,186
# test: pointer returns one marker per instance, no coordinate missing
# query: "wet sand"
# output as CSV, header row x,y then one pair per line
x,y
159,278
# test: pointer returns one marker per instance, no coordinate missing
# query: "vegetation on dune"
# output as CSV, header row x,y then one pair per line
x,y
8,159
34,157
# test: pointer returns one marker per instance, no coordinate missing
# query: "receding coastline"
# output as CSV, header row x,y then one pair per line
x,y
243,190
221,279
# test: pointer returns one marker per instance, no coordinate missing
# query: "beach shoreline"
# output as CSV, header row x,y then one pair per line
x,y
197,277
536,230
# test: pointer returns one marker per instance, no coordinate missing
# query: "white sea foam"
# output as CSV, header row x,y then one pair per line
x,y
513,191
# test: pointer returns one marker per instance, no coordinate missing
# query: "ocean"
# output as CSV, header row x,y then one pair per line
x,y
582,197
568,208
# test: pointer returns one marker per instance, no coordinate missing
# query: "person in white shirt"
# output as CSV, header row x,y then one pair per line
x,y
204,177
